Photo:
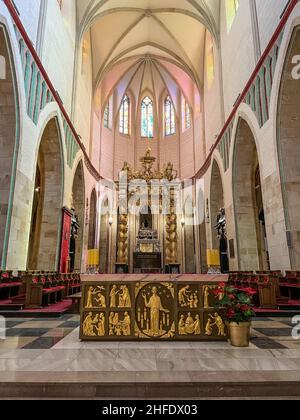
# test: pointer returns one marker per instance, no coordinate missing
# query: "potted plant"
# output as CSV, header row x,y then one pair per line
x,y
239,312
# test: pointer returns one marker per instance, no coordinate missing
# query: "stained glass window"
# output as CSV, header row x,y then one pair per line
x,y
231,10
170,123
188,120
147,118
106,116
124,116
210,60
186,115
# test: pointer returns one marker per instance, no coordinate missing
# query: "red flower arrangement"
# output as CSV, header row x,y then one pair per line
x,y
238,303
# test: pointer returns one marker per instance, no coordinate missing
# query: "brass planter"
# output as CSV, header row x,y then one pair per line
x,y
240,334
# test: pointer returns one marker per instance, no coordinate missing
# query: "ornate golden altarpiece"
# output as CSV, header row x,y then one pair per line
x,y
148,174
153,307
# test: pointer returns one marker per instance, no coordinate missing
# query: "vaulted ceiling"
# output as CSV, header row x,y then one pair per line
x,y
126,34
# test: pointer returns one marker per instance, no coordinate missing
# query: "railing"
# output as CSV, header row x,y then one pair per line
x,y
40,91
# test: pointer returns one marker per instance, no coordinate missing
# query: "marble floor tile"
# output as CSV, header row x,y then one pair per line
x,y
58,332
26,332
15,342
58,354
39,324
134,365
293,344
90,365
266,324
97,354
267,343
70,324
20,353
13,364
289,353
135,353
42,343
275,332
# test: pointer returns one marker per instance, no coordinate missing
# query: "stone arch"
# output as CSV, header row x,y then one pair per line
x,y
9,139
288,138
104,236
216,200
47,202
248,202
78,193
92,220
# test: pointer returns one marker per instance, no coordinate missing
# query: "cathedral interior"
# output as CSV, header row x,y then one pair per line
x,y
149,153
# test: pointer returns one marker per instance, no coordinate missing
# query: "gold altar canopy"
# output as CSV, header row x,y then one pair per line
x,y
168,220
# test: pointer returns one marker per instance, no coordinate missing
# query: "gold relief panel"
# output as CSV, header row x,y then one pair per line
x,y
188,296
119,324
119,296
214,325
189,324
94,324
154,311
210,300
95,297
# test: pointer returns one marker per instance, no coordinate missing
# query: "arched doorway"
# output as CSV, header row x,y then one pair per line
x,y
104,236
248,202
8,136
216,201
92,221
76,242
47,202
288,138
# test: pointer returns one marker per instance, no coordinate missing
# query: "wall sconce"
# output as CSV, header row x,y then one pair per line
x,y
182,222
110,221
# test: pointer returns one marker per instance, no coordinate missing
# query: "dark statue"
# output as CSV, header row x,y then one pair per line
x,y
222,235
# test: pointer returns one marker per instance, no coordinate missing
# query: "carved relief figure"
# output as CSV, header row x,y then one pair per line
x,y
100,299
112,295
181,326
206,294
188,326
126,325
183,296
91,292
101,326
219,324
124,298
156,307
88,326
209,328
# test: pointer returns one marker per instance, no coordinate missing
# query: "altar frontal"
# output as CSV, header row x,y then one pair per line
x,y
139,307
